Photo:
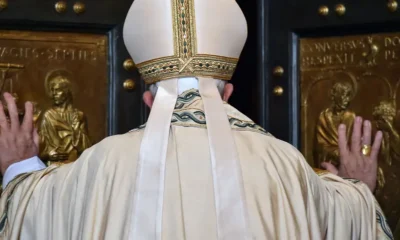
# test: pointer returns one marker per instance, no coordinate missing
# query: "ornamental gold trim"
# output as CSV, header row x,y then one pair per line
x,y
200,66
186,62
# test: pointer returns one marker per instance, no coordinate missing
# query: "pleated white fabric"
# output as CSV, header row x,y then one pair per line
x,y
231,211
150,178
94,197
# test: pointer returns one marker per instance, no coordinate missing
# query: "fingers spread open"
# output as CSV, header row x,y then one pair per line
x,y
27,124
366,138
356,136
376,146
3,119
343,146
12,111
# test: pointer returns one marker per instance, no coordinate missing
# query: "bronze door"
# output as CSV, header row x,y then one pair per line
x,y
68,57
326,63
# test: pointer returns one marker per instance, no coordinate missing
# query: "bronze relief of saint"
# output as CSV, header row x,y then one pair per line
x,y
326,134
63,128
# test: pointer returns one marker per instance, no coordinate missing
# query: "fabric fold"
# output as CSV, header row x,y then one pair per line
x,y
149,190
232,215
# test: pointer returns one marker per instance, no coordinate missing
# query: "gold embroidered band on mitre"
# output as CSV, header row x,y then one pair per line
x,y
186,62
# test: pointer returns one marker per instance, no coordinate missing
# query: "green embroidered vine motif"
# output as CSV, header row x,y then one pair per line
x,y
189,112
186,98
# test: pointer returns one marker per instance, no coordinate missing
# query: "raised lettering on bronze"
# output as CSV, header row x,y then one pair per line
x,y
344,51
68,54
328,60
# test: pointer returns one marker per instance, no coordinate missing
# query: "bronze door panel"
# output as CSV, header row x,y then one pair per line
x,y
337,60
65,76
75,68
341,77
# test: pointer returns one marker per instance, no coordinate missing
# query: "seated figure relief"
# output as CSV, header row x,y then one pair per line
x,y
326,133
63,128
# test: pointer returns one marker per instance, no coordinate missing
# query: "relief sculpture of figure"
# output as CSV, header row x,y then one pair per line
x,y
326,134
63,129
389,195
384,115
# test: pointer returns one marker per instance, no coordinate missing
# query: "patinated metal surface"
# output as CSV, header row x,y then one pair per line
x,y
345,76
65,76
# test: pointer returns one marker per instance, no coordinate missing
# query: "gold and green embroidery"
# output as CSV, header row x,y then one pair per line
x,y
186,62
189,112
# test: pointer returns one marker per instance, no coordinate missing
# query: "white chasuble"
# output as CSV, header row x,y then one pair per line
x,y
93,198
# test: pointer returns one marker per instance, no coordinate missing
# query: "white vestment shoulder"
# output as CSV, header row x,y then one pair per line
x,y
93,197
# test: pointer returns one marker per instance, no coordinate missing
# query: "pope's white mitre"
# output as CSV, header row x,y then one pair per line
x,y
185,38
